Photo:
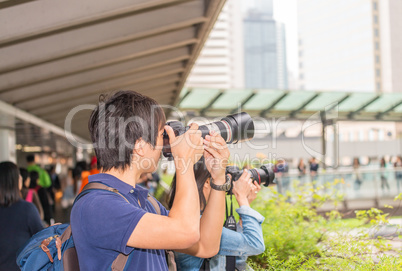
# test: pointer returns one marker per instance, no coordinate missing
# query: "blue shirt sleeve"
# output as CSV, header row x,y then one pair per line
x,y
248,242
108,221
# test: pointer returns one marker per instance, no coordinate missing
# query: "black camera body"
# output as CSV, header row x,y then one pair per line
x,y
263,175
233,129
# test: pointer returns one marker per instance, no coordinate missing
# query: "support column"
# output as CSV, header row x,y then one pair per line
x,y
7,138
336,145
323,140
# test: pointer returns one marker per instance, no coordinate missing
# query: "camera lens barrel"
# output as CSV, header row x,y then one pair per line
x,y
263,175
233,128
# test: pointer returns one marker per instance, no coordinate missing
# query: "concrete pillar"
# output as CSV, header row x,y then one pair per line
x,y
7,138
336,145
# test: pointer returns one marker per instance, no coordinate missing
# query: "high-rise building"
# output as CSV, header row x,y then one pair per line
x,y
221,64
350,45
264,48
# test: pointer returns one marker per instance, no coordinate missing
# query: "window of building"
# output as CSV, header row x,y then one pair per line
x,y
377,46
361,135
375,6
375,19
377,59
381,135
376,32
371,135
378,72
351,136
378,86
301,76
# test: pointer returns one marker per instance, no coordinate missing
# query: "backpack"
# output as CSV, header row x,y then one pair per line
x,y
53,248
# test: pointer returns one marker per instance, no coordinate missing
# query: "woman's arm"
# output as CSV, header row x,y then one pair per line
x,y
246,243
250,240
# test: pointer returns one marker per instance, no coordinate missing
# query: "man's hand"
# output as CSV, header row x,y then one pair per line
x,y
216,156
242,187
188,148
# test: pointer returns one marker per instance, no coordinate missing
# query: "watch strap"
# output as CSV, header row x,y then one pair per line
x,y
223,187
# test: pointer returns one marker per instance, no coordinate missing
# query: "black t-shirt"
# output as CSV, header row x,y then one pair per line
x,y
18,223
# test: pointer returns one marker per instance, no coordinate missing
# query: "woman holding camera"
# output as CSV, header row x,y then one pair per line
x,y
247,240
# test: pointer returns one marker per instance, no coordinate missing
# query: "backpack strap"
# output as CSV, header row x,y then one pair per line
x,y
120,262
152,200
100,186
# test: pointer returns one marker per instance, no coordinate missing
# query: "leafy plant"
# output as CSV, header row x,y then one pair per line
x,y
298,238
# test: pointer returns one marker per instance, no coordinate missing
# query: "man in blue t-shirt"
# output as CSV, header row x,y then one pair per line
x,y
127,132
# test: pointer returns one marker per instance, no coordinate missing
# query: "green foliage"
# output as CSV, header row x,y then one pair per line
x,y
298,238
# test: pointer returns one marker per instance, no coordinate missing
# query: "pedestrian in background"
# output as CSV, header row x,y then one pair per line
x,y
19,219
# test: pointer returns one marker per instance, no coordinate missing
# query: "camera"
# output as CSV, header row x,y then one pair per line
x,y
233,129
263,175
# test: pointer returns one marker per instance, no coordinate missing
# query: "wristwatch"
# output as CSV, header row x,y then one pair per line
x,y
224,187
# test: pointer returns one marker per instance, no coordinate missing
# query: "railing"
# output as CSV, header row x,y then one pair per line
x,y
371,186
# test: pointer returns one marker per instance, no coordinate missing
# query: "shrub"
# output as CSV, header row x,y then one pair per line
x,y
298,238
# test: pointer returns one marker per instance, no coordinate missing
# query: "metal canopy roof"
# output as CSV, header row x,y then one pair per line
x,y
297,105
58,54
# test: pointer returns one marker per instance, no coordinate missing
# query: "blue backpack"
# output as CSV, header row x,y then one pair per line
x,y
53,248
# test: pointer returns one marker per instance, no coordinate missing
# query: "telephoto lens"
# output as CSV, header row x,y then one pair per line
x,y
263,175
233,129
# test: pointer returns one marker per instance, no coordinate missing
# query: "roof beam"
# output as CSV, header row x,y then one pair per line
x,y
40,106
25,116
61,70
34,95
120,32
211,103
270,107
352,115
238,109
75,79
382,114
185,96
10,3
294,112
60,118
338,102
69,25
64,109
94,97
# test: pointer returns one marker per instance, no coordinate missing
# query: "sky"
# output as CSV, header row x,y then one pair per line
x,y
285,11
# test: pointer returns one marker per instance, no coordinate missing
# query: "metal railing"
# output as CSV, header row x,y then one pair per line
x,y
371,185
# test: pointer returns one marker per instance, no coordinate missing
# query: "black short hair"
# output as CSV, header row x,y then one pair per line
x,y
34,175
24,174
9,189
118,122
30,158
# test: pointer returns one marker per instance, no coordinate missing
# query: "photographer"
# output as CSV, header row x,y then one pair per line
x,y
247,241
127,143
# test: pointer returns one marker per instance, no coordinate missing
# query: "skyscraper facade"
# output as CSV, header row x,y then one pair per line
x,y
350,45
264,48
221,63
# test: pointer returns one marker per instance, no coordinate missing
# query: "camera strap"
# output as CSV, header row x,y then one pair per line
x,y
230,224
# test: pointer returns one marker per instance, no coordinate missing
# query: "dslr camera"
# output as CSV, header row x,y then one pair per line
x,y
233,129
263,175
